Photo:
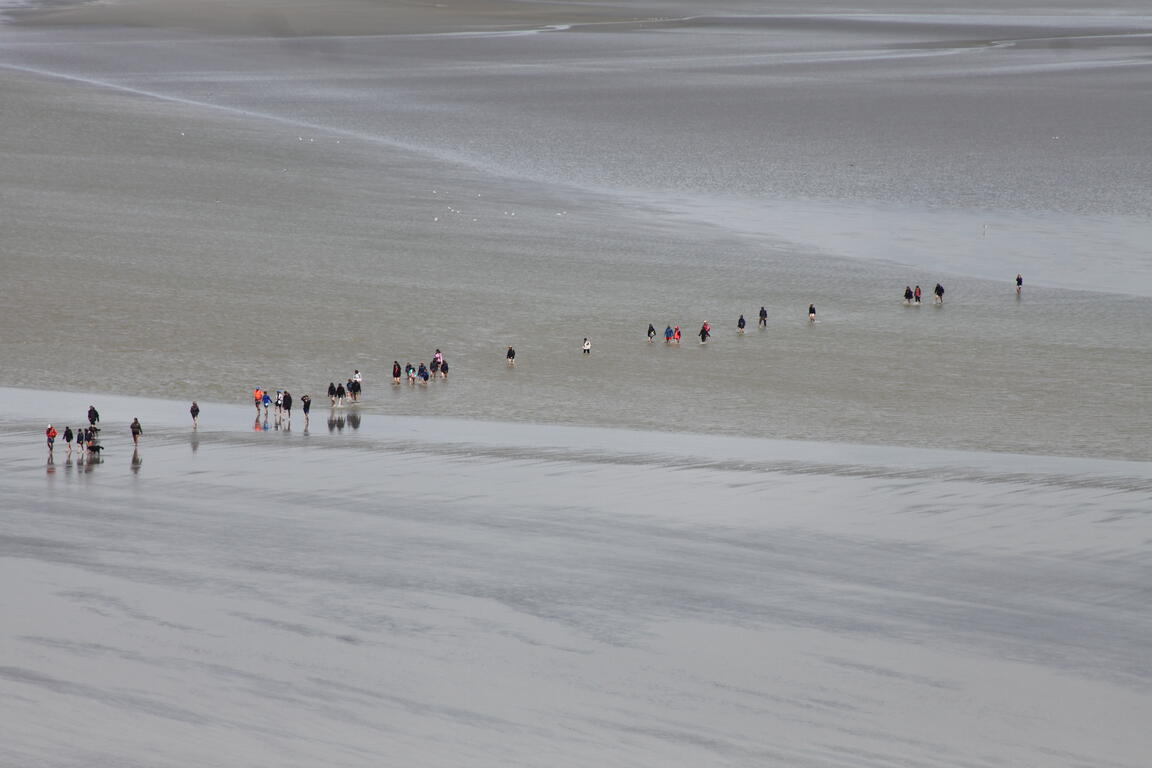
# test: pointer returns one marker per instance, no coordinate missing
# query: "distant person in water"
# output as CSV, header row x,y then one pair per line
x,y
93,415
397,371
812,313
136,430
1019,283
50,433
939,293
740,325
763,317
444,369
586,346
332,392
916,294
287,406
279,401
266,402
350,390
68,438
341,393
422,373
705,333
510,356
195,411
676,334
258,398
668,335
358,380
411,371
651,333
908,294
437,358
306,406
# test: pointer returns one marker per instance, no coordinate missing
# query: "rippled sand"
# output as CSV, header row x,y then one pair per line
x,y
419,591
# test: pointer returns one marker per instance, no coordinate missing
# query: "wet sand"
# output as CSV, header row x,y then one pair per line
x,y
420,590
277,18
910,536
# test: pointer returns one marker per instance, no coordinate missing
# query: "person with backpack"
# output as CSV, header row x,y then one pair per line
x,y
136,430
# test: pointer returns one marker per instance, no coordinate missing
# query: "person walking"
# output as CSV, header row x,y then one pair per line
x,y
306,405
916,294
668,335
266,401
340,395
811,313
93,415
279,402
676,335
939,293
444,369
740,325
396,371
332,392
358,380
258,398
510,356
50,433
68,438
908,294
195,411
1019,283
423,373
763,317
137,430
586,346
705,333
287,405
651,333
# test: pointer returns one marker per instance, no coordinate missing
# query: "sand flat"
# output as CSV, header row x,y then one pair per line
x,y
335,17
420,590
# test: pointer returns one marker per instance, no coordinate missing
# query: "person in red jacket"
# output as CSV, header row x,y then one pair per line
x,y
50,433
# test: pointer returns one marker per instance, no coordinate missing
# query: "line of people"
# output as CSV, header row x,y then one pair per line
x,y
426,372
913,296
282,404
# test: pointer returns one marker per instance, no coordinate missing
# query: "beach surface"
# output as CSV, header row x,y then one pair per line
x,y
900,535
418,591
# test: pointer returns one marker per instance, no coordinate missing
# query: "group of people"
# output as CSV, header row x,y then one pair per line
x,y
425,372
281,402
913,296
338,393
87,438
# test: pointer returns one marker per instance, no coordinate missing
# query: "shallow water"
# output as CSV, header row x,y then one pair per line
x,y
901,535
524,594
241,213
